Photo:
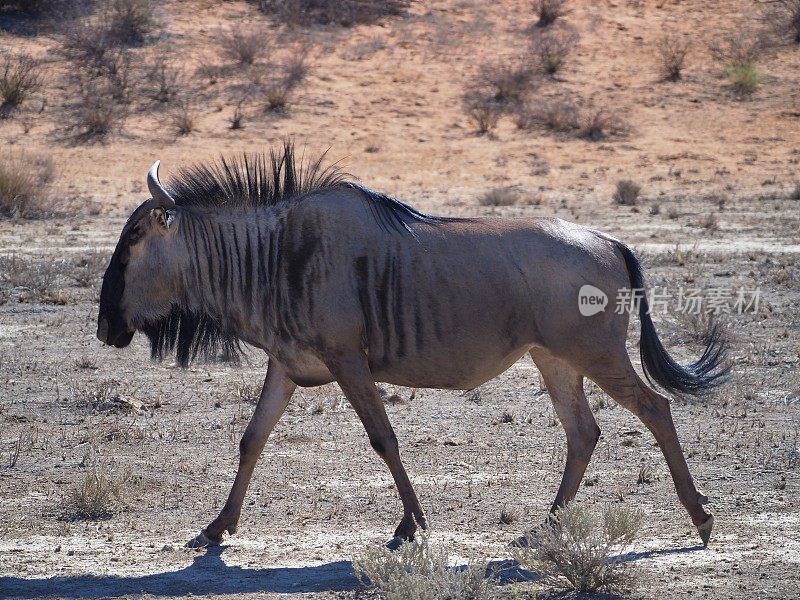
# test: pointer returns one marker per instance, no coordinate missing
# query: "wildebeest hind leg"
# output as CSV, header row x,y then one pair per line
x,y
353,374
565,387
620,381
275,394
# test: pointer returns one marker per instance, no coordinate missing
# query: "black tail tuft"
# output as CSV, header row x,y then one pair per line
x,y
706,373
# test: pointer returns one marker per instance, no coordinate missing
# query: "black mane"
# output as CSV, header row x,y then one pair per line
x,y
256,180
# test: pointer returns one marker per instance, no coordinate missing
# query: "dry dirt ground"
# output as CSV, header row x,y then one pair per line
x,y
721,170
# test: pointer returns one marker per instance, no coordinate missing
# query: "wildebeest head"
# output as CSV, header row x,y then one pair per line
x,y
141,283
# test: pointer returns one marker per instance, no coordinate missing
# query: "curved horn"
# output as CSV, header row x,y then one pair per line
x,y
158,191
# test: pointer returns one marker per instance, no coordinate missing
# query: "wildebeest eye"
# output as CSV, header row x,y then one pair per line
x,y
135,236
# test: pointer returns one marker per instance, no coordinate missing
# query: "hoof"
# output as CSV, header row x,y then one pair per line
x,y
705,530
202,541
395,543
231,529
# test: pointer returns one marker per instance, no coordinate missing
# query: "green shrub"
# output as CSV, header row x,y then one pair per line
x,y
743,77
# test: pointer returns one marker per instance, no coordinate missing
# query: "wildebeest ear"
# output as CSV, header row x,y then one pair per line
x,y
163,218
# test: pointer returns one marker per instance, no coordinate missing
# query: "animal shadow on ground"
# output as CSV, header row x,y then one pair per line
x,y
209,575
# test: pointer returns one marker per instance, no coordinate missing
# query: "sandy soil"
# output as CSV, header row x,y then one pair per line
x,y
387,100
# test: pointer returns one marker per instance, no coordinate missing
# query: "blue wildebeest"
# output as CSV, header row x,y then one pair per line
x,y
336,282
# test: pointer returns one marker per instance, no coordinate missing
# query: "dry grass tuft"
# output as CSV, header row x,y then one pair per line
x,y
183,117
25,183
709,221
672,52
98,496
576,552
627,193
248,392
417,571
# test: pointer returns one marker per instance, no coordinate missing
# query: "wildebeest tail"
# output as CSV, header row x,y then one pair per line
x,y
694,378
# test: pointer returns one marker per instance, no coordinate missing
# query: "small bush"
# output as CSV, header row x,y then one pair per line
x,y
415,571
740,53
549,11
672,52
506,196
599,123
743,77
129,21
237,118
795,193
30,7
508,82
783,17
709,221
244,45
183,117
120,23
95,117
85,42
336,12
627,193
575,551
483,110
295,66
745,47
556,114
165,81
87,270
20,77
509,516
25,183
551,48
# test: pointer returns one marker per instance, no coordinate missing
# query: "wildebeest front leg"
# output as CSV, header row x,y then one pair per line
x,y
275,394
353,374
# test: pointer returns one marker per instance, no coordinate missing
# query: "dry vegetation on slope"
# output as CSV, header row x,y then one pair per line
x,y
673,125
